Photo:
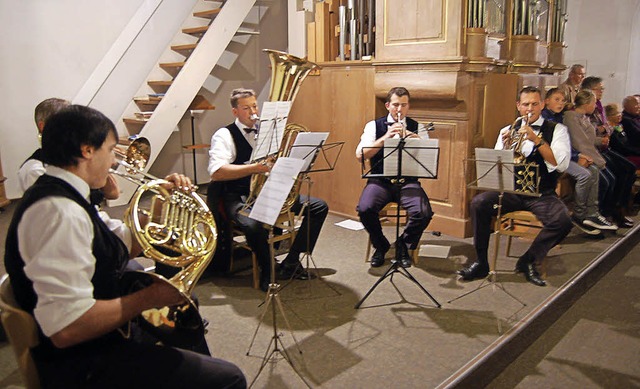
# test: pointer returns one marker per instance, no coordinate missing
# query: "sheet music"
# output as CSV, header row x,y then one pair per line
x,y
488,172
306,147
276,189
273,120
419,157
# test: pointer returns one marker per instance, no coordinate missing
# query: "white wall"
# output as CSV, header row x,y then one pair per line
x,y
52,48
605,37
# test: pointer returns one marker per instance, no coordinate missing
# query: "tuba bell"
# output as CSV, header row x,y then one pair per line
x,y
175,228
287,74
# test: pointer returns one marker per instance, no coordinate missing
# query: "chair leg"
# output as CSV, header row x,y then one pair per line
x,y
415,254
256,271
366,256
509,245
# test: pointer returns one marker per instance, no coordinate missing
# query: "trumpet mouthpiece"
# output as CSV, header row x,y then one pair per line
x,y
255,117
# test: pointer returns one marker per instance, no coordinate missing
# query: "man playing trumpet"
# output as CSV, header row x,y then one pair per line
x,y
381,191
547,144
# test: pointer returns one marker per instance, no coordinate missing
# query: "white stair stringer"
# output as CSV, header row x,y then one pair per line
x,y
187,83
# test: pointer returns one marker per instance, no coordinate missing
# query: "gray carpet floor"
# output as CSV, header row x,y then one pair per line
x,y
399,338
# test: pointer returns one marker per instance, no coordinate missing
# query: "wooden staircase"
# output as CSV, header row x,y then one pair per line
x,y
157,114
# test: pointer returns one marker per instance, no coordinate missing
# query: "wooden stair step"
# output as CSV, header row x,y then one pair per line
x,y
187,47
196,31
196,147
166,83
172,65
135,121
207,14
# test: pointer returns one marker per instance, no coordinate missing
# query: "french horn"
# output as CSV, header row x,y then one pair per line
x,y
173,227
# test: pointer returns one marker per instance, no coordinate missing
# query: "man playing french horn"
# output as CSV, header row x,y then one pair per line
x,y
547,144
231,172
67,272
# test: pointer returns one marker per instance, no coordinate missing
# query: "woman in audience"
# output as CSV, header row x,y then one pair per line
x,y
585,214
620,141
586,163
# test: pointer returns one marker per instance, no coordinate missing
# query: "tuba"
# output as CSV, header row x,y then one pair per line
x,y
525,173
287,74
173,227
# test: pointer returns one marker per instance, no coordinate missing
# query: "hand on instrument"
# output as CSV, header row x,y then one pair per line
x,y
394,129
164,294
506,137
527,131
179,181
111,190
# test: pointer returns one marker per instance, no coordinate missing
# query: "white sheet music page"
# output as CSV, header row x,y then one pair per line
x,y
276,189
419,157
273,120
488,173
306,147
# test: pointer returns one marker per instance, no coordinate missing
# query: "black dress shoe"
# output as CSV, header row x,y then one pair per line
x,y
530,273
405,259
624,222
474,271
293,271
377,259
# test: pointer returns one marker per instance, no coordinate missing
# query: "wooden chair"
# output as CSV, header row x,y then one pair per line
x,y
388,218
22,333
518,224
288,222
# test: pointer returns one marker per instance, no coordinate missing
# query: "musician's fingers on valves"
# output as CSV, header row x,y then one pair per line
x,y
179,181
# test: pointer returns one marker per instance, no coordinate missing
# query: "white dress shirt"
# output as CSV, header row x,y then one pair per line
x,y
29,173
223,149
55,238
560,145
369,134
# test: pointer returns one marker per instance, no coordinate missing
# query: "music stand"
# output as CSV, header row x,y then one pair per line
x,y
494,165
311,153
401,153
273,299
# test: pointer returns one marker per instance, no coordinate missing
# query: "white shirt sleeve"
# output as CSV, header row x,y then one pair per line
x,y
561,147
58,260
29,172
118,227
368,137
222,151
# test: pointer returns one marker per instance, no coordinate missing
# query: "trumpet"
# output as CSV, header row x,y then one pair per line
x,y
516,139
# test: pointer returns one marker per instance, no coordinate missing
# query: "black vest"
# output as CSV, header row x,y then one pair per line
x,y
110,253
243,154
37,155
377,163
548,180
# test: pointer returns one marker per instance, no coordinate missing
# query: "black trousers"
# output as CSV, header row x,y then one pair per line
x,y
138,364
411,197
257,235
624,172
551,212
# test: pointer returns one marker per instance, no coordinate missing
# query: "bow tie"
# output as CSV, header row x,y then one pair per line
x,y
250,130
536,127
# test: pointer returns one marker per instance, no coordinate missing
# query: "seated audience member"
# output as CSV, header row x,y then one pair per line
x,y
631,118
620,142
585,214
547,144
66,273
571,86
623,170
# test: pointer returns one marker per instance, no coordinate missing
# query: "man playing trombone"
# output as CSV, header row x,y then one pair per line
x,y
547,144
381,191
66,272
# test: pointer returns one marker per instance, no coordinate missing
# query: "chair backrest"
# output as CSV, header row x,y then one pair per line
x,y
22,333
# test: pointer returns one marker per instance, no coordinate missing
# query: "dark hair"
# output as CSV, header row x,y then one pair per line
x,y
590,82
71,128
529,89
240,93
398,91
584,97
48,107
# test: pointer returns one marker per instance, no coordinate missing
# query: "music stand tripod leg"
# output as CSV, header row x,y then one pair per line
x,y
275,344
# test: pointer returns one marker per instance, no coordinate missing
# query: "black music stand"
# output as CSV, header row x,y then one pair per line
x,y
499,185
326,155
398,179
